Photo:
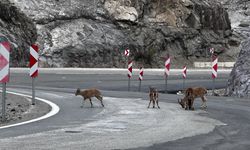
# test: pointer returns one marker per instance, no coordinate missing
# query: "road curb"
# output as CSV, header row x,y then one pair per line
x,y
54,110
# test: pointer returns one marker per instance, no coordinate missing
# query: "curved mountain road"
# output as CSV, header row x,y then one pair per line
x,y
125,122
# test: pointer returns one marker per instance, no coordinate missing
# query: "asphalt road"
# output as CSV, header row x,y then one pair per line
x,y
114,80
125,122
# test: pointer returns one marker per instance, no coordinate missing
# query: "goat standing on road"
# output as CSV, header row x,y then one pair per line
x,y
191,94
87,94
153,97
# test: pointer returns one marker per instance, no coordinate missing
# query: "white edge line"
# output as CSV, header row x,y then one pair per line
x,y
54,110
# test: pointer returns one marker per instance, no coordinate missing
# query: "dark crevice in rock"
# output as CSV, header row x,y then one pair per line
x,y
19,30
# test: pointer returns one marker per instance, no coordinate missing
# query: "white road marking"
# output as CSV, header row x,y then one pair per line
x,y
124,123
54,110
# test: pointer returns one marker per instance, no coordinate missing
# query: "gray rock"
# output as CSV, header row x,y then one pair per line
x,y
239,81
244,24
19,30
83,33
121,10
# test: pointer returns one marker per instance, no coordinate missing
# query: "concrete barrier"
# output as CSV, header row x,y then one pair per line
x,y
209,64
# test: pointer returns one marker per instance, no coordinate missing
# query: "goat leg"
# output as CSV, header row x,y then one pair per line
x,y
157,103
83,103
102,103
91,103
149,103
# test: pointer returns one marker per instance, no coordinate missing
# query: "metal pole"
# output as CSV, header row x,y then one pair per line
x,y
3,101
128,84
140,86
126,63
33,91
183,84
213,86
166,84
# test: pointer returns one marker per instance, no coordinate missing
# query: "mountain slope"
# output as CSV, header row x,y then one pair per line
x,y
83,33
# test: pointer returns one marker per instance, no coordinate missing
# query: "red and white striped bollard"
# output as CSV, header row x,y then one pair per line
x,y
167,72
214,66
214,70
33,68
126,52
34,61
130,64
184,75
4,61
4,72
140,77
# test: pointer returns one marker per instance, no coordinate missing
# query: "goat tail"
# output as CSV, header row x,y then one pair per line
x,y
205,91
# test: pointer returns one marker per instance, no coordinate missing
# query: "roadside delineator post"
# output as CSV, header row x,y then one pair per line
x,y
126,54
211,50
4,72
184,75
130,63
140,77
214,70
33,68
167,71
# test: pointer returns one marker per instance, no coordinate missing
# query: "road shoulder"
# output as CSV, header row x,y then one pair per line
x,y
19,109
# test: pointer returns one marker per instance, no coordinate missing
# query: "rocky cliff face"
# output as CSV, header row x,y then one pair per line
x,y
239,13
17,28
84,33
239,81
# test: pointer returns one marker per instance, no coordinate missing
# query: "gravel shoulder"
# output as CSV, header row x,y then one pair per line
x,y
19,109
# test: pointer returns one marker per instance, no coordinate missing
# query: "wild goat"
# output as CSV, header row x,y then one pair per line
x,y
87,94
186,103
153,96
190,95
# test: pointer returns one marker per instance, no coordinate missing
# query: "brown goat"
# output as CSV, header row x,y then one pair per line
x,y
191,94
153,97
186,103
87,94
